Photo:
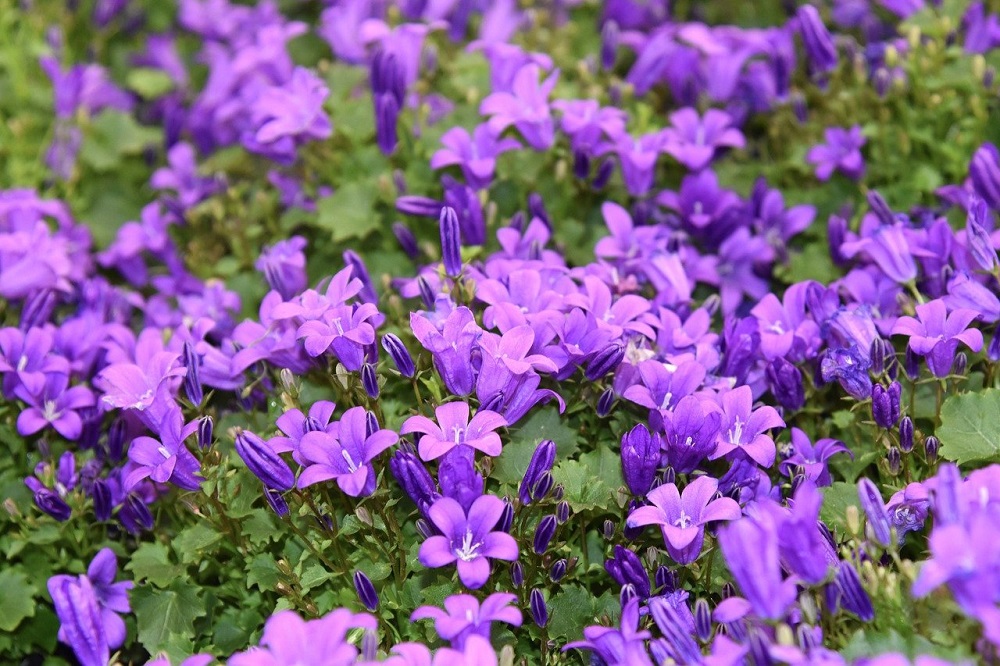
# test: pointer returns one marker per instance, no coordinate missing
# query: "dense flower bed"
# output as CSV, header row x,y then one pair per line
x,y
468,332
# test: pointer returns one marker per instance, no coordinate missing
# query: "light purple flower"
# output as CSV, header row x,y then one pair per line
x,y
476,154
525,107
842,151
289,640
693,140
467,539
345,454
167,458
293,111
463,616
26,359
744,428
453,428
57,405
345,328
682,516
935,334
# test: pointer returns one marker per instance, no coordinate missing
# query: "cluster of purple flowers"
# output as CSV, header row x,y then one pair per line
x,y
514,328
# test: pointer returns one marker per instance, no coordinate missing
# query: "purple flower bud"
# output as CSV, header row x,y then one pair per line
x,y
103,503
558,492
895,460
852,593
37,309
702,620
993,350
604,172
541,462
785,381
799,107
977,238
414,478
836,232
984,171
418,206
369,380
276,502
360,271
605,402
881,410
427,294
581,164
192,379
874,508
366,591
911,364
206,432
906,434
51,503
542,487
517,221
558,570
665,580
543,534
608,530
819,45
264,462
610,35
116,439
931,446
516,574
626,567
399,354
640,452
627,594
881,208
407,241
604,361
451,242
506,518
134,514
632,533
562,512
881,81
424,528
877,356
961,363
539,611
536,209
386,118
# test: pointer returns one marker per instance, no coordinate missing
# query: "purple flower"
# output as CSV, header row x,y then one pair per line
x,y
935,334
463,616
811,458
142,385
586,122
663,385
820,48
453,428
750,546
475,154
292,112
88,607
638,159
626,645
289,640
693,140
56,405
842,151
26,360
284,266
640,452
525,107
167,458
690,434
182,177
984,172
346,328
467,539
888,247
682,516
849,366
344,454
743,428
451,345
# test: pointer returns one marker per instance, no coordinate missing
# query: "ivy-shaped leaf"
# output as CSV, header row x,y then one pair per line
x,y
970,430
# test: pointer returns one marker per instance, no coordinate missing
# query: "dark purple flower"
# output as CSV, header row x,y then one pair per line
x,y
690,433
743,428
541,462
750,546
640,453
166,458
820,48
366,591
467,538
849,367
984,172
344,454
264,461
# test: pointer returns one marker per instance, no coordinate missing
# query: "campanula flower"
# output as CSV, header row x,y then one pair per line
x,y
290,640
463,616
682,516
750,546
690,431
842,151
467,538
743,428
820,48
346,329
935,334
167,457
811,458
453,428
525,107
58,405
476,155
284,266
625,645
694,140
640,453
345,454
849,366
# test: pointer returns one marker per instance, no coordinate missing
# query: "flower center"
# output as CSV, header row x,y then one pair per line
x,y
339,327
467,551
667,397
351,465
162,450
458,434
51,411
22,363
684,521
736,432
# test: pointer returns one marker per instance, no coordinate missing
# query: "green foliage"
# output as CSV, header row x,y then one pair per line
x,y
166,617
17,601
970,430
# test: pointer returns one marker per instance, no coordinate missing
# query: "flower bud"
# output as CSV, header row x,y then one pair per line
x,y
369,380
604,361
961,363
539,611
785,381
878,518
605,402
877,356
516,574
608,530
536,209
427,294
542,487
192,378
424,528
610,36
543,534
562,512
103,503
51,503
558,570
414,478
931,446
911,365
451,242
206,432
605,170
506,518
853,597
276,502
906,434
135,515
702,620
366,591
640,453
581,164
418,206
819,45
116,439
993,349
894,458
399,354
407,241
836,232
627,594
264,462
558,492
541,462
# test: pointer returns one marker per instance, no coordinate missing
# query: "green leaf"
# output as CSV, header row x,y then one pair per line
x,y
152,562
149,83
511,464
314,576
592,481
836,499
970,430
571,609
17,600
262,571
112,135
348,212
165,618
192,541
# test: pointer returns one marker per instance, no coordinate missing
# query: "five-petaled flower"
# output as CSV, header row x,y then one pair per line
x,y
453,428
